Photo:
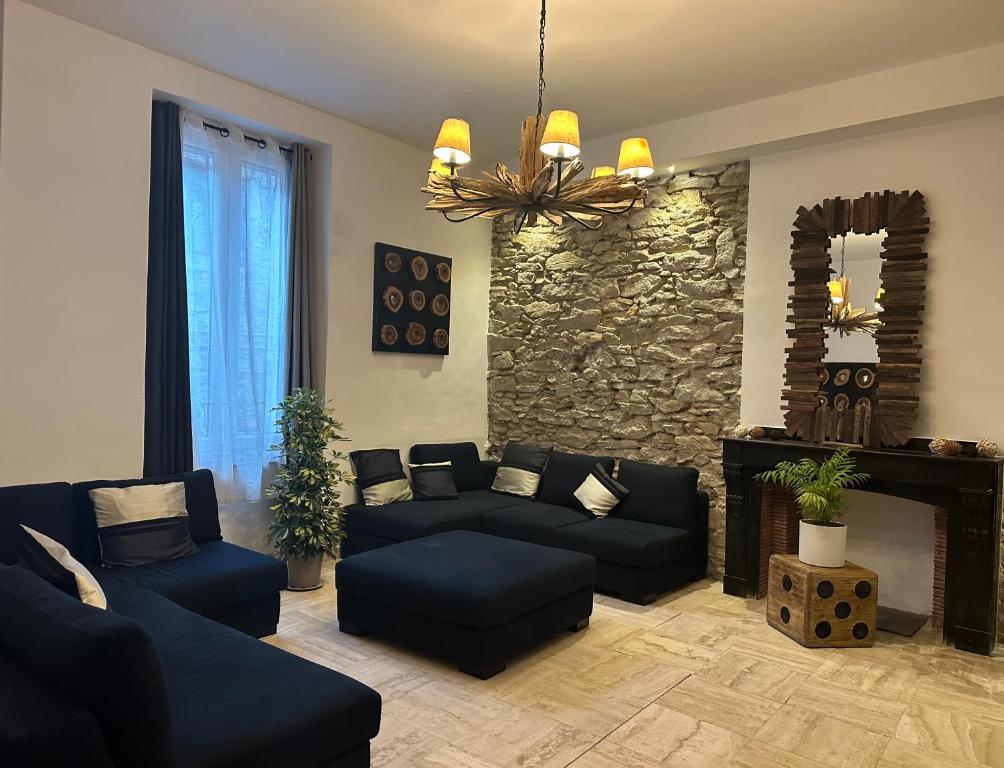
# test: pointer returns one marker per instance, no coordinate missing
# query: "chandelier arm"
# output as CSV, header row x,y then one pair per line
x,y
581,223
468,217
456,194
607,211
517,225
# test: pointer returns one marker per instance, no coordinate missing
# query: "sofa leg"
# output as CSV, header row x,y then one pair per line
x,y
579,625
351,629
481,672
644,600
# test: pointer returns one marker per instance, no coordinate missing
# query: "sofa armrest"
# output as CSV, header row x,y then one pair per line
x,y
701,512
488,469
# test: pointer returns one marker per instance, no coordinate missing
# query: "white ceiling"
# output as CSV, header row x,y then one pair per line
x,y
400,66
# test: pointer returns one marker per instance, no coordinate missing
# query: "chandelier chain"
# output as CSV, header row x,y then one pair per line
x,y
843,245
540,74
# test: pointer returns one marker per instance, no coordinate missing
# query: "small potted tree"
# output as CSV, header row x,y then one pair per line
x,y
819,494
307,522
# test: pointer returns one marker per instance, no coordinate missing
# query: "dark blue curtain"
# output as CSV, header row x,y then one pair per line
x,y
167,437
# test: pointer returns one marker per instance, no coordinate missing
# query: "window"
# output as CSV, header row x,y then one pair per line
x,y
236,198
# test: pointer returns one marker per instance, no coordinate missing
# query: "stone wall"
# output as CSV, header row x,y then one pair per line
x,y
626,341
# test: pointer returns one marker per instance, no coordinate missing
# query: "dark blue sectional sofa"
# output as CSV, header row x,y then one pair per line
x,y
171,674
657,539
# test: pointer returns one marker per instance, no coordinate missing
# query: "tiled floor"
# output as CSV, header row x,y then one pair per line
x,y
696,680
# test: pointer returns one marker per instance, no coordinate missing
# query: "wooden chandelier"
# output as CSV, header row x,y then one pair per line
x,y
545,185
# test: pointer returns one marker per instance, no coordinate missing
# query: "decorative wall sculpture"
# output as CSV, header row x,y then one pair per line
x,y
411,301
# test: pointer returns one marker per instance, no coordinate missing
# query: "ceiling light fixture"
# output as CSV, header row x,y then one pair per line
x,y
549,161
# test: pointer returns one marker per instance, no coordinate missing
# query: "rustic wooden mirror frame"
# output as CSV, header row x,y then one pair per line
x,y
903,215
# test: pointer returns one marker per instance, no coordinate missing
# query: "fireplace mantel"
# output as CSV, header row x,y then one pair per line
x,y
967,487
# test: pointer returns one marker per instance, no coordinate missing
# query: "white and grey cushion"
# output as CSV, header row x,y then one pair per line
x,y
142,524
380,476
520,469
433,481
600,493
53,562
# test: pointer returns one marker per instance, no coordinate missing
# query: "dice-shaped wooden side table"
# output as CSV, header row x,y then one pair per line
x,y
822,607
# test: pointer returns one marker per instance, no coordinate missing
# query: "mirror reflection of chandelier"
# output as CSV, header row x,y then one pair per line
x,y
545,185
845,317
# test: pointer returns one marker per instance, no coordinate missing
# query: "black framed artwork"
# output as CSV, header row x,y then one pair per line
x,y
411,301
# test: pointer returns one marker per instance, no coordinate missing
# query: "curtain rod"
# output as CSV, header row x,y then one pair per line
x,y
224,132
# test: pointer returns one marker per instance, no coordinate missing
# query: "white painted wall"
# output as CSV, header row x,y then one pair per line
x,y
958,167
74,185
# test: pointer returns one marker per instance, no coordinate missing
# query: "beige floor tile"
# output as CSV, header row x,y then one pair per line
x,y
713,632
389,676
963,694
816,736
899,754
668,651
634,675
399,745
750,674
777,648
730,709
954,734
446,710
570,700
756,754
524,739
892,682
859,708
674,738
449,756
607,754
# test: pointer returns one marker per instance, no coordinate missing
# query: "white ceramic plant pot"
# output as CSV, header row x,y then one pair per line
x,y
822,545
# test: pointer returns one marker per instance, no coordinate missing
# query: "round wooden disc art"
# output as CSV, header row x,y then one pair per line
x,y
388,335
415,335
440,305
417,300
440,338
419,268
393,299
392,261
443,272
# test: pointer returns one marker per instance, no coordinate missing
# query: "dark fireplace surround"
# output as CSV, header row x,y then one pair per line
x,y
965,490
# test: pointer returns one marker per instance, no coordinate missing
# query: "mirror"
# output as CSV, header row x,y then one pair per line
x,y
855,299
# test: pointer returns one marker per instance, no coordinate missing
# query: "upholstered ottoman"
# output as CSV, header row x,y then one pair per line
x,y
472,598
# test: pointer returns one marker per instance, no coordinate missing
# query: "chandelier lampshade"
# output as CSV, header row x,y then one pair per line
x,y
836,289
453,145
602,170
561,134
635,159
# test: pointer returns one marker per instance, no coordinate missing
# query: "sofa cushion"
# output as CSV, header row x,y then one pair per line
x,y
53,562
627,542
100,660
433,482
45,507
220,574
380,476
520,470
658,494
41,727
467,471
200,500
600,493
564,474
531,521
464,577
236,701
410,519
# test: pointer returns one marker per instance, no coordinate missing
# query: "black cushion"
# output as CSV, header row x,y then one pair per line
x,y
46,507
627,542
380,475
236,701
36,558
200,500
564,473
520,469
531,521
658,494
466,578
467,470
101,661
220,574
41,728
432,482
406,520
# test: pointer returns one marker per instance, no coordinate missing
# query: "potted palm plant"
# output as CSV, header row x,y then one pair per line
x,y
819,494
307,521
